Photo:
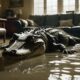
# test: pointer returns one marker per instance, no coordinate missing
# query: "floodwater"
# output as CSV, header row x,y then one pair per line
x,y
50,66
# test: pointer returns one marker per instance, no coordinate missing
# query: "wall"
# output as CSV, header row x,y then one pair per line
x,y
26,10
0,7
3,6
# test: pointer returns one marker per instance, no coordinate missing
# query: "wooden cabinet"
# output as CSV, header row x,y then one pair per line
x,y
11,26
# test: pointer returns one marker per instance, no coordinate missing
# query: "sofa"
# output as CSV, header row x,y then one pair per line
x,y
55,20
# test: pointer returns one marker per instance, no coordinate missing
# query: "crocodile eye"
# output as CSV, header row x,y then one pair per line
x,y
30,39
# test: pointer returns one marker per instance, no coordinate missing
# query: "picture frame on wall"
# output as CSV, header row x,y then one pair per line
x,y
16,3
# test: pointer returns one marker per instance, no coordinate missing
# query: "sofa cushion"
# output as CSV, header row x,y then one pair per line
x,y
52,20
66,23
39,20
74,31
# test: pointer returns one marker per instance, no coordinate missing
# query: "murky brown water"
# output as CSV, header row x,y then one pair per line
x,y
51,66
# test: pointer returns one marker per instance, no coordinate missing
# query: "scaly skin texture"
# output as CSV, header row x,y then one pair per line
x,y
38,41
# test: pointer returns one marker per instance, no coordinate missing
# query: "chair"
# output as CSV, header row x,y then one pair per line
x,y
3,29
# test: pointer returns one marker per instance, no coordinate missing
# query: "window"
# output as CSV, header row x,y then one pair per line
x,y
38,7
79,6
51,7
68,5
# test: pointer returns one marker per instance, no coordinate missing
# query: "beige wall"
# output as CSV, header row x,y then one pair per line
x,y
25,11
0,8
3,6
60,6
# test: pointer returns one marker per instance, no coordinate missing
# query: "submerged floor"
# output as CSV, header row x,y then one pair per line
x,y
51,66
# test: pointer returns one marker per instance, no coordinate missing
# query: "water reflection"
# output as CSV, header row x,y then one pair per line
x,y
75,63
28,65
76,77
60,77
67,68
51,66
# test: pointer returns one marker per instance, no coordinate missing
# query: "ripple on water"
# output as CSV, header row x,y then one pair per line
x,y
65,71
75,63
59,77
75,57
77,69
76,77
57,62
55,70
59,71
65,77
67,68
53,77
